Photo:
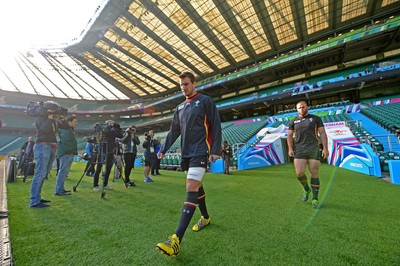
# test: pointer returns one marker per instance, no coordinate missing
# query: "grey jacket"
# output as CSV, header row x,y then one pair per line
x,y
128,140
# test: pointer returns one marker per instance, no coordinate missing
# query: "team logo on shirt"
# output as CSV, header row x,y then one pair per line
x,y
197,103
183,106
310,119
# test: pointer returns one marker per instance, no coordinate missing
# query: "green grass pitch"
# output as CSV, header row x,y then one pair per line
x,y
257,218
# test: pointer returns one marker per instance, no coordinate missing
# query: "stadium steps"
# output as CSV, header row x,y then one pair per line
x,y
385,114
10,143
335,118
377,131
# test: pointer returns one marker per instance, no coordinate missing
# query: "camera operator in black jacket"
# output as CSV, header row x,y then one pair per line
x,y
130,141
110,130
47,124
227,154
150,145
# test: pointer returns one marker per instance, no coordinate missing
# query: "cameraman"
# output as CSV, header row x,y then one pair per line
x,y
150,145
155,170
89,155
227,154
130,141
106,148
67,148
47,126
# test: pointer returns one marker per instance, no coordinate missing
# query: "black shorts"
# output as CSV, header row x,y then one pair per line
x,y
314,154
196,161
149,160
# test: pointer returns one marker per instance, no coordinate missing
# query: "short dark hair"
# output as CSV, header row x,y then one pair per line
x,y
187,75
302,101
71,118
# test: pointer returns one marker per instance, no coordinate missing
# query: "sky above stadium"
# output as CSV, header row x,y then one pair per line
x,y
25,23
26,26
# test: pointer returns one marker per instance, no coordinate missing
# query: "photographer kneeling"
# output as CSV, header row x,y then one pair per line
x,y
47,125
110,130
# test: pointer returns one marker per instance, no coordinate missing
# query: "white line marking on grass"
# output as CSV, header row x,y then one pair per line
x,y
323,199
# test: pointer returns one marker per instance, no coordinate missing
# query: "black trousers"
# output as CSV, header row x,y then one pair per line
x,y
156,165
129,159
227,162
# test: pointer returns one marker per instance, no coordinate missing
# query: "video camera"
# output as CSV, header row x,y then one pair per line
x,y
130,130
102,131
41,109
147,135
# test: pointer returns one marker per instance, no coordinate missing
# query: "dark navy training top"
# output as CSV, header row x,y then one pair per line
x,y
306,131
197,121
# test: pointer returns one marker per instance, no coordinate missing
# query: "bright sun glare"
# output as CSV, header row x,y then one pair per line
x,y
28,23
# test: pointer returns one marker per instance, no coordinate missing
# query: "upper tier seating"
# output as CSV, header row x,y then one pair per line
x,y
387,115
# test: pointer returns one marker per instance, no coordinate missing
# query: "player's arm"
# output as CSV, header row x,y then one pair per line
x,y
324,141
290,142
212,113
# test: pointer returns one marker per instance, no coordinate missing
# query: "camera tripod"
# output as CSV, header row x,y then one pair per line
x,y
100,157
119,167
89,164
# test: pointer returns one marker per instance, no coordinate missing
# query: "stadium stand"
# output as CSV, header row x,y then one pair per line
x,y
388,140
10,143
241,131
17,121
387,115
255,82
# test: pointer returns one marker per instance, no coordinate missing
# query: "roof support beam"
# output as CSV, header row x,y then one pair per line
x,y
33,71
159,14
56,64
160,41
101,55
96,89
299,19
335,13
266,23
200,22
283,17
12,82
131,94
144,49
126,65
230,18
88,66
139,61
372,5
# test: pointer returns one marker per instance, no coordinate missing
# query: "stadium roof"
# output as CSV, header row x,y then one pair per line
x,y
135,49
